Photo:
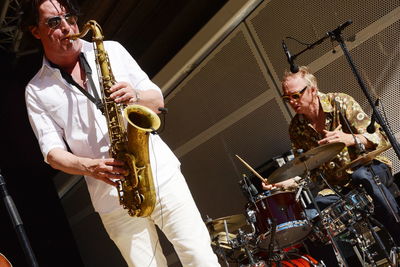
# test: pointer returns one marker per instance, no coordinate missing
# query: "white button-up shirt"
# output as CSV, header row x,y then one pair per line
x,y
63,117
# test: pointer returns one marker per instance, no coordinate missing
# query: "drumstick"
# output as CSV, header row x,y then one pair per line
x,y
252,170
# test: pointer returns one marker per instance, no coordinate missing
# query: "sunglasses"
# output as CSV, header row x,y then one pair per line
x,y
294,96
54,22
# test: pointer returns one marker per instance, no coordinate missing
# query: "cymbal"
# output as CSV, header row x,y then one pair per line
x,y
366,158
310,160
233,222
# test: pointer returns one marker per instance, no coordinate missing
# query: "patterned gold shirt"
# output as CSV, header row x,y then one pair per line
x,y
337,108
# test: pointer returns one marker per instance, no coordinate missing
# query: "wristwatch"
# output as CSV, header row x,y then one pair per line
x,y
359,145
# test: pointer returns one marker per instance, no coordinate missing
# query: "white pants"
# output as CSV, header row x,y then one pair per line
x,y
177,216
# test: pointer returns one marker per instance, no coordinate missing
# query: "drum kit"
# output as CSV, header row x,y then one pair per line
x,y
275,225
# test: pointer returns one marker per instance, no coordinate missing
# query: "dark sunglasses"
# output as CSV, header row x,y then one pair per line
x,y
294,96
55,21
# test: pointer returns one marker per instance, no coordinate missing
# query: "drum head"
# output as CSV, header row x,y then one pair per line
x,y
294,233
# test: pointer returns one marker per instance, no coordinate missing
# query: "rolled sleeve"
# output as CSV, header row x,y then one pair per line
x,y
47,132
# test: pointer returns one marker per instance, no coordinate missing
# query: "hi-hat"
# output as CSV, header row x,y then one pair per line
x,y
366,158
233,223
309,160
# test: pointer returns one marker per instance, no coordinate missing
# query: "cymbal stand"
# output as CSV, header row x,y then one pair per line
x,y
392,257
243,243
363,244
272,240
229,240
220,251
338,253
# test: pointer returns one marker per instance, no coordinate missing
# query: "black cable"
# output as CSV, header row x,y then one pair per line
x,y
300,42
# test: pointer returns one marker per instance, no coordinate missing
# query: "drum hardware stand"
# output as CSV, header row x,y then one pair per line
x,y
240,241
394,251
339,255
221,251
272,241
360,240
250,192
17,222
377,239
243,242
394,256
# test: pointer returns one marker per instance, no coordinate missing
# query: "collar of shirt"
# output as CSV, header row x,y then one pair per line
x,y
325,102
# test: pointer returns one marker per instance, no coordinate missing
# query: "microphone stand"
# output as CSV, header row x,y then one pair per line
x,y
249,191
17,222
336,35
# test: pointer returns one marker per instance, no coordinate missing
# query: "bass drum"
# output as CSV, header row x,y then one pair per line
x,y
289,259
281,216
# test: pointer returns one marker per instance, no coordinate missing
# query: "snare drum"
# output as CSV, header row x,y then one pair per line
x,y
280,208
345,212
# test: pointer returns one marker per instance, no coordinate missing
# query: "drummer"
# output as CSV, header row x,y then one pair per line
x,y
326,118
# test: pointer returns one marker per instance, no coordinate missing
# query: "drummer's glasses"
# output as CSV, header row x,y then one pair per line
x,y
54,22
295,96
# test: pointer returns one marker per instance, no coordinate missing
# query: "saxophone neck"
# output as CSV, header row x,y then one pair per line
x,y
97,32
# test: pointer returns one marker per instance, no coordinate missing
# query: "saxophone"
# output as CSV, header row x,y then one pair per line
x,y
129,144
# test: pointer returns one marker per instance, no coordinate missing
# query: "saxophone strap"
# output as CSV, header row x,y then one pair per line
x,y
95,99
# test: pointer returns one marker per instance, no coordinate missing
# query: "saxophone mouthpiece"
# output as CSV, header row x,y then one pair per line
x,y
70,38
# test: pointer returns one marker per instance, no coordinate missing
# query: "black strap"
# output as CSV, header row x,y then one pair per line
x,y
96,99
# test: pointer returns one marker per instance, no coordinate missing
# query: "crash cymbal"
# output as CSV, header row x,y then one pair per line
x,y
233,222
366,158
310,160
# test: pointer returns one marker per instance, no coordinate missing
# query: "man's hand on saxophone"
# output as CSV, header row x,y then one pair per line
x,y
106,170
124,92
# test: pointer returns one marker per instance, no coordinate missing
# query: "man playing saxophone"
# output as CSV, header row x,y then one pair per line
x,y
66,116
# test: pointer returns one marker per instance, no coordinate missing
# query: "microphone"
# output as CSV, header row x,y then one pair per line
x,y
343,25
253,190
371,127
293,67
